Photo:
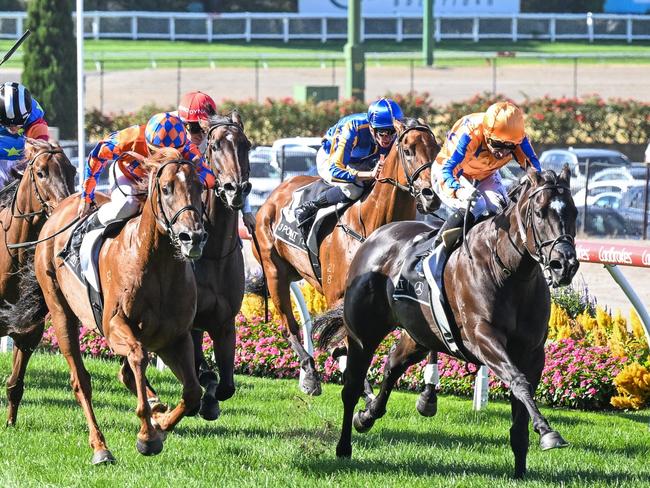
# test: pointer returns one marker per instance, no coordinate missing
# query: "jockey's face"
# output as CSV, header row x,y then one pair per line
x,y
384,137
13,129
500,149
195,132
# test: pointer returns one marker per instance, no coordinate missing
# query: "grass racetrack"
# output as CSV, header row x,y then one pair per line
x,y
269,434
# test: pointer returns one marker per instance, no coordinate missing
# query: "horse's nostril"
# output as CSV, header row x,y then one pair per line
x,y
246,187
427,193
229,187
184,237
204,236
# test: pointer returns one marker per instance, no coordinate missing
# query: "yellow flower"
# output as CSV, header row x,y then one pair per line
x,y
632,386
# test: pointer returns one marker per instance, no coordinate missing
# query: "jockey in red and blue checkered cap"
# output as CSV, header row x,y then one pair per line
x,y
127,148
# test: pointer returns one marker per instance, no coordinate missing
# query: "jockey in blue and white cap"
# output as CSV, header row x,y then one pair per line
x,y
348,157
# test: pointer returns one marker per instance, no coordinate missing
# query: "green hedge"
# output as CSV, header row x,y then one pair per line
x,y
549,120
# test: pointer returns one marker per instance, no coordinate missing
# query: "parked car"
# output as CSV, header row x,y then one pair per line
x,y
636,171
600,187
293,156
632,208
601,222
264,177
577,159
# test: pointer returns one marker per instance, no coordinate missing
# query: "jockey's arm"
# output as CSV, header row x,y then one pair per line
x,y
192,153
340,155
99,157
450,183
38,130
529,154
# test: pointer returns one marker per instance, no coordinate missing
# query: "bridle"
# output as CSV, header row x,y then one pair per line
x,y
168,223
411,178
46,208
219,187
544,259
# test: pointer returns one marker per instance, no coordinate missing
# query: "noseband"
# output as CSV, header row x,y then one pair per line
x,y
187,208
544,259
46,208
219,187
410,178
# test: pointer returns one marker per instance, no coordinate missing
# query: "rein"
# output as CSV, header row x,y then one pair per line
x,y
45,207
410,178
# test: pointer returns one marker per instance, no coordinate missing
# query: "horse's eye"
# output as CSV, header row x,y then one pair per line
x,y
40,174
407,152
216,146
165,190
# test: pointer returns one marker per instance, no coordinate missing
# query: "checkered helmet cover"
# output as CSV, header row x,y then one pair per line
x,y
165,130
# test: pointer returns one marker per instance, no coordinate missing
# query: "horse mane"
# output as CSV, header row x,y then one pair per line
x,y
216,119
155,161
410,122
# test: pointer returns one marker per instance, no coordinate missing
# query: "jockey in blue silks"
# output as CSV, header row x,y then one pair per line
x,y
348,157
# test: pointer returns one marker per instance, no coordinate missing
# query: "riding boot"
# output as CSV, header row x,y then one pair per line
x,y
308,209
439,248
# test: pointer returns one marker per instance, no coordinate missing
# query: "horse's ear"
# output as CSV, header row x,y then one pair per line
x,y
399,126
533,175
205,125
565,175
236,118
421,121
209,110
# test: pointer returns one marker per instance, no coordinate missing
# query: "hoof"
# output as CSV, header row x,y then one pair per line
x,y
209,408
425,407
224,393
552,440
103,457
149,448
310,386
344,451
360,425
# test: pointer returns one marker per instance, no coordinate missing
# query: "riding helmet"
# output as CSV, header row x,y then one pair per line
x,y
383,112
165,130
504,121
193,106
15,104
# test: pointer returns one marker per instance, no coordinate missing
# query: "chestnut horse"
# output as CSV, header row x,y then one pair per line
x,y
405,180
497,294
220,270
47,179
149,295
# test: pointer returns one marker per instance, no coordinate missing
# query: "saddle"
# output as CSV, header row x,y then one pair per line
x,y
418,282
309,239
84,263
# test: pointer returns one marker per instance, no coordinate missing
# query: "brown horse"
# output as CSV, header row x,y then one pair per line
x,y
47,179
149,295
497,294
405,180
220,271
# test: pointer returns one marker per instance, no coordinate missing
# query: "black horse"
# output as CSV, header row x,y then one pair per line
x,y
497,293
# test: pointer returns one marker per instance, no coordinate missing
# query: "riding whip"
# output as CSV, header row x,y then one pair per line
x,y
15,46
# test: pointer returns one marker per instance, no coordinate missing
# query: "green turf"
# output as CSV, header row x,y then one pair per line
x,y
269,434
118,54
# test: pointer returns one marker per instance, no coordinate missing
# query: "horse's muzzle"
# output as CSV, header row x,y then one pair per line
x,y
192,243
563,264
233,194
427,201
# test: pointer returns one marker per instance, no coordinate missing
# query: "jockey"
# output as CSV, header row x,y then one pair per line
x,y
474,150
348,157
163,130
194,107
20,116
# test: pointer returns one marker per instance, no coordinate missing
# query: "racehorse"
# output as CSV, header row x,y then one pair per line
x,y
497,293
405,180
220,270
149,295
27,202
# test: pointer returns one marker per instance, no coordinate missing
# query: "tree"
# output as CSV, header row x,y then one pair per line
x,y
49,59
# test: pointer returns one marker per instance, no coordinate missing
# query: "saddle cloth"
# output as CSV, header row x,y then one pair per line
x,y
84,264
418,282
287,229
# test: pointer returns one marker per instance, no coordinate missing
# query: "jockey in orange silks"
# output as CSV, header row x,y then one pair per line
x,y
474,150
162,130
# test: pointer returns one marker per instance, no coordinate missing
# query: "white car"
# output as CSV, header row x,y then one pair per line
x,y
293,156
609,187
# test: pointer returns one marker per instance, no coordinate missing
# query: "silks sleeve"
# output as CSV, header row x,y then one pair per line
x,y
102,153
529,154
450,183
340,155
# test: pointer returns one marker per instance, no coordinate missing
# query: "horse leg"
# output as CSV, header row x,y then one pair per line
x,y
519,435
180,358
522,387
23,348
403,355
127,378
359,360
67,333
123,342
279,289
224,355
209,408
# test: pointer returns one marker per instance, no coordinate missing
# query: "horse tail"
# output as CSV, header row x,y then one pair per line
x,y
30,309
330,327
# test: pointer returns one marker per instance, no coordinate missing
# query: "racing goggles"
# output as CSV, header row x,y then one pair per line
x,y
193,127
497,144
387,132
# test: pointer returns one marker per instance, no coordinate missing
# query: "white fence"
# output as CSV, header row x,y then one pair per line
x,y
288,26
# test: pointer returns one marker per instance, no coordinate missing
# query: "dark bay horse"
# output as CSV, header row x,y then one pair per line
x,y
405,180
149,295
497,293
220,270
47,179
